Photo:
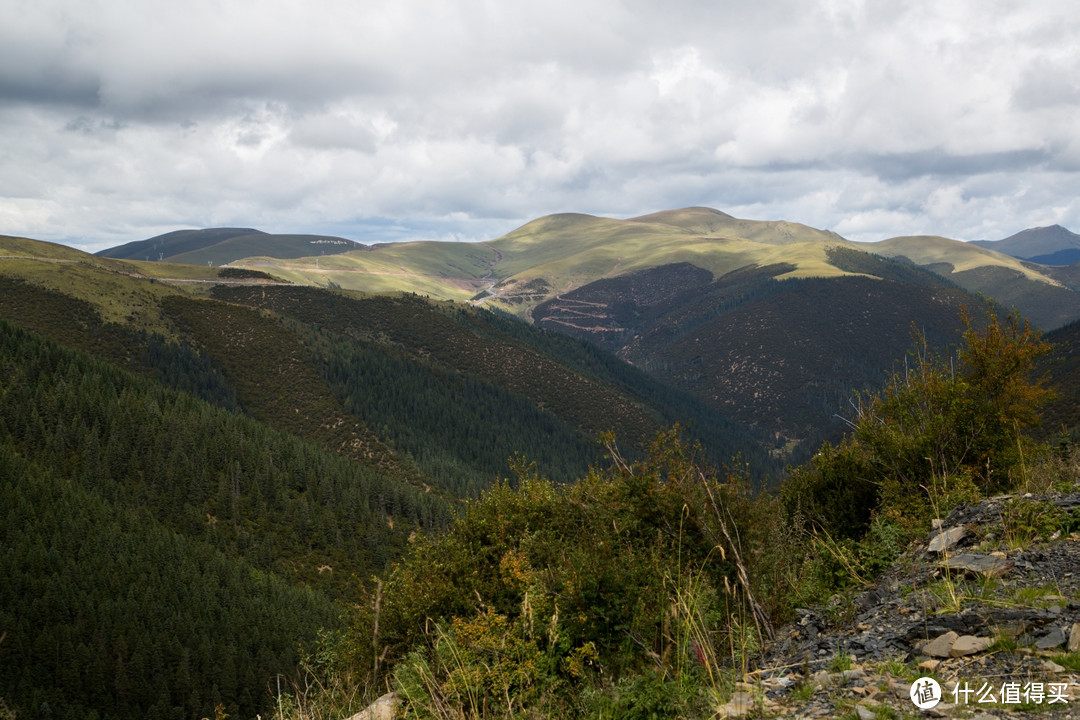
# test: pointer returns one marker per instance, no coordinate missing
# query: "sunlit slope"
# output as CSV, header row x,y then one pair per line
x,y
117,289
933,250
557,253
442,270
1008,280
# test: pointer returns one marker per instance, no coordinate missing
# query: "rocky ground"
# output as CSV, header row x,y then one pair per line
x,y
987,607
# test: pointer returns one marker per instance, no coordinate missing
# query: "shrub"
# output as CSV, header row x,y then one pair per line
x,y
949,420
944,430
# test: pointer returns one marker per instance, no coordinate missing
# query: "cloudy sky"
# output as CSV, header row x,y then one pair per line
x,y
399,119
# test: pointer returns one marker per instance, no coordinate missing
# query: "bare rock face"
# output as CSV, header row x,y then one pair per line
x,y
385,708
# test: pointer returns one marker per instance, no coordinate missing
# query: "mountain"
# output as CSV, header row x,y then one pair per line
x,y
782,356
1033,289
1053,245
220,246
209,466
163,554
556,254
434,395
772,323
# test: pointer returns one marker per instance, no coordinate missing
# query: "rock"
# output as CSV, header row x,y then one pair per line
x,y
945,540
941,710
969,645
929,665
1051,666
940,646
740,705
1074,638
1053,639
984,565
864,712
385,708
901,690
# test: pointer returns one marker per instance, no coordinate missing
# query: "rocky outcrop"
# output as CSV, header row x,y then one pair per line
x,y
971,606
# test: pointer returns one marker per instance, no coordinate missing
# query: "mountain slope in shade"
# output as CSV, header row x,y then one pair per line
x,y
781,356
1053,245
221,246
1033,289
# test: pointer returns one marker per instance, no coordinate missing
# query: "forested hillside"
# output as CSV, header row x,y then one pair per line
x,y
441,377
163,554
784,356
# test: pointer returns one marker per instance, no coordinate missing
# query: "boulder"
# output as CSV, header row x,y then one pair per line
x,y
385,708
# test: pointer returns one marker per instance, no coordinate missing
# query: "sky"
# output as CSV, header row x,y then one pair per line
x,y
435,120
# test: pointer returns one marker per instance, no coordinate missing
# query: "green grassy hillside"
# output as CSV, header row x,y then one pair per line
x,y
558,253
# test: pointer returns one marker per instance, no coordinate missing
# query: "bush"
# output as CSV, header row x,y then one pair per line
x,y
958,418
945,430
626,590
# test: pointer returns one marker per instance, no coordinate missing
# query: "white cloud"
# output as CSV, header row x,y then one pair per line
x,y
120,119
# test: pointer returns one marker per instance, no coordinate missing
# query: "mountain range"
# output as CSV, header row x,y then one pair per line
x,y
283,427
771,323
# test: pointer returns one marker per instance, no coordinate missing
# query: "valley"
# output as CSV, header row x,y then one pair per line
x,y
384,442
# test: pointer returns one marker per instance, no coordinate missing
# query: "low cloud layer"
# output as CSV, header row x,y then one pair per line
x,y
460,120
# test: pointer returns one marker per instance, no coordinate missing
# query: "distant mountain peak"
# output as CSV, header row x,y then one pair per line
x,y
1052,245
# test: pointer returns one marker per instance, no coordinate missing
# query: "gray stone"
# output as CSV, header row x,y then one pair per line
x,y
864,712
984,565
945,540
1051,666
1053,639
969,645
1074,638
385,708
941,646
